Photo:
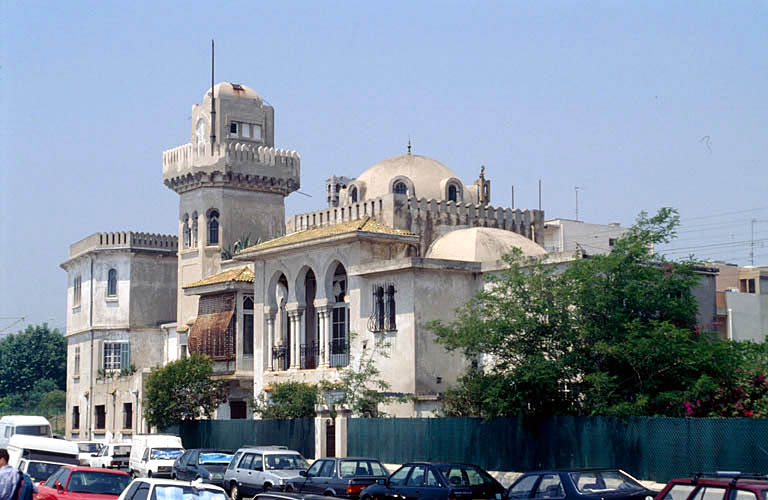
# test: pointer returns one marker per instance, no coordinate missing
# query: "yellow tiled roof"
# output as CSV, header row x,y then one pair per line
x,y
242,274
365,224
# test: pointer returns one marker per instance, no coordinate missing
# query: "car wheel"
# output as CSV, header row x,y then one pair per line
x,y
173,475
267,487
234,493
288,487
149,473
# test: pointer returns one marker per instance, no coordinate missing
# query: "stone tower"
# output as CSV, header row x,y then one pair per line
x,y
231,182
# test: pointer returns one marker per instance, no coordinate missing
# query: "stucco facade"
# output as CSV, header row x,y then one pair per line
x,y
121,287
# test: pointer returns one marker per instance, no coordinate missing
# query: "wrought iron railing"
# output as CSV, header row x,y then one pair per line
x,y
339,352
309,355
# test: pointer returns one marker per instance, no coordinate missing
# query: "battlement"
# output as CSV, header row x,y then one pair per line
x,y
426,218
257,165
125,240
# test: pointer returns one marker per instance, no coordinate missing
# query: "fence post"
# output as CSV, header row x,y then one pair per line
x,y
341,431
321,421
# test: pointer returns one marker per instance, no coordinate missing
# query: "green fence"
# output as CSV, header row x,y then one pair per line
x,y
298,434
647,447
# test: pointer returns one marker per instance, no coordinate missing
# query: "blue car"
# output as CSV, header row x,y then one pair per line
x,y
202,463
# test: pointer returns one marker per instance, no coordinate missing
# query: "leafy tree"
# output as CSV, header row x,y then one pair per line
x,y
360,385
52,403
182,390
610,334
31,355
287,400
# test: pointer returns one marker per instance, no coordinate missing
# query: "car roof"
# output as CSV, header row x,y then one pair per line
x,y
210,450
723,481
350,458
75,468
175,482
442,463
273,449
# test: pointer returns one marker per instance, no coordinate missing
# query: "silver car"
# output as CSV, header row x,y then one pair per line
x,y
254,469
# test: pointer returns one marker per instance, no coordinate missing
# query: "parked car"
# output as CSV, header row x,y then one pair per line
x,y
88,449
152,455
72,482
435,481
254,469
717,486
171,489
579,484
288,495
338,477
206,464
27,425
112,456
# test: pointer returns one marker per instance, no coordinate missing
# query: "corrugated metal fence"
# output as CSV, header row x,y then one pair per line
x,y
647,447
298,434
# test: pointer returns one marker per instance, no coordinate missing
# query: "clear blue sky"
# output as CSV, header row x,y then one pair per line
x,y
643,104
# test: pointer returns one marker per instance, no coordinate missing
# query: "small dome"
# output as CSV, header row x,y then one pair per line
x,y
482,244
424,176
227,89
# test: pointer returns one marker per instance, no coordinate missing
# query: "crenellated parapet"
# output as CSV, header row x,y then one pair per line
x,y
237,164
125,240
427,218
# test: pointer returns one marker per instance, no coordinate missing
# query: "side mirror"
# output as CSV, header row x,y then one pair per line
x,y
303,473
94,454
59,487
382,482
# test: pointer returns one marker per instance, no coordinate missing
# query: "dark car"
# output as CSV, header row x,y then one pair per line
x,y
202,463
287,495
581,484
435,481
717,486
339,477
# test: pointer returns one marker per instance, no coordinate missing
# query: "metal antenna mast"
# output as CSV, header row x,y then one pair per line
x,y
576,190
213,103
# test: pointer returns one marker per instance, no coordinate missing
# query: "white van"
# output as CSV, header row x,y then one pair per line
x,y
23,424
40,456
152,455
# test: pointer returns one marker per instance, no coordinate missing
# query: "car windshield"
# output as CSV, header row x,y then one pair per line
x,y
464,475
88,447
121,451
350,468
165,453
102,483
34,430
285,462
167,492
214,457
41,471
607,480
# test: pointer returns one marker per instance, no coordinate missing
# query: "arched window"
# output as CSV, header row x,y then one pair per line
x,y
112,283
194,230
213,227
353,195
248,325
339,349
185,232
400,188
391,313
453,193
200,132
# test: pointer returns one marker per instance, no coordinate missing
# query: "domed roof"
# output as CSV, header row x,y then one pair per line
x,y
425,176
481,244
227,89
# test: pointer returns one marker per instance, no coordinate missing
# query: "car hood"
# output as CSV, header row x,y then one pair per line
x,y
87,496
285,474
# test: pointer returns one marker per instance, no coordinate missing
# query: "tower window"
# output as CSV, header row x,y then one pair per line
x,y
400,188
353,195
233,129
194,230
390,312
112,283
77,291
248,325
453,193
185,231
213,227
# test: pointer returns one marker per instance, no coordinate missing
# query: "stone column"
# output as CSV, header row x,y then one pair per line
x,y
295,317
323,309
269,316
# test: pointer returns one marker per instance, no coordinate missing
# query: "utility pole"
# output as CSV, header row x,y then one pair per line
x,y
576,190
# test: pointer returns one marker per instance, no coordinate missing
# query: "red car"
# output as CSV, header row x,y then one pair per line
x,y
717,486
83,483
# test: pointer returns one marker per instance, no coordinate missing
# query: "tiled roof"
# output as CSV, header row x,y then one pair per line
x,y
241,274
366,225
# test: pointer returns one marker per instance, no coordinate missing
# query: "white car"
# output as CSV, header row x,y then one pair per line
x,y
170,489
112,456
87,450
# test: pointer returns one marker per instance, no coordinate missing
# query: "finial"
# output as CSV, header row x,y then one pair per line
x,y
482,170
409,144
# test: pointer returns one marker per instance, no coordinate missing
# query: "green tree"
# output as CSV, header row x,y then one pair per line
x,y
609,334
360,386
31,355
182,390
52,403
287,400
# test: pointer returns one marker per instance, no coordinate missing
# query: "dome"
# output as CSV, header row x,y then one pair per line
x,y
424,177
482,244
227,89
